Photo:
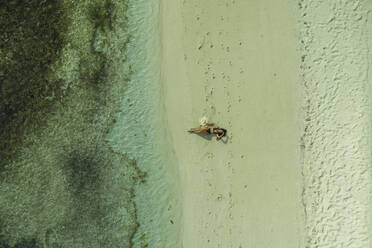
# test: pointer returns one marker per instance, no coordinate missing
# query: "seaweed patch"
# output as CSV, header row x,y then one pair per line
x,y
101,15
82,167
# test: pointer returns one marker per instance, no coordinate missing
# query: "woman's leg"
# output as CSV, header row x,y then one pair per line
x,y
197,130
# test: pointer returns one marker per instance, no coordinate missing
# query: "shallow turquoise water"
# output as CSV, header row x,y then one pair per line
x,y
139,131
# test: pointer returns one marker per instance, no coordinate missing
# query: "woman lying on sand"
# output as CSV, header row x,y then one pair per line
x,y
219,132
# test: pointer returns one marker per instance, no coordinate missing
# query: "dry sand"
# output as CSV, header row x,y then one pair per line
x,y
234,61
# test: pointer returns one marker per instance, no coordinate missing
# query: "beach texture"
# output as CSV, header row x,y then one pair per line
x,y
335,144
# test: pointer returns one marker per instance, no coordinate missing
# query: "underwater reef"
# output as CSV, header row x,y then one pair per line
x,y
61,81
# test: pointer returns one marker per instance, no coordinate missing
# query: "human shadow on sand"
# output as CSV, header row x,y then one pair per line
x,y
224,139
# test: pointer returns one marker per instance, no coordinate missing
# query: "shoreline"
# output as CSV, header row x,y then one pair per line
x,y
139,131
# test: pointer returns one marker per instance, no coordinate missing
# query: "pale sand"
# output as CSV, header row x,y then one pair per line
x,y
234,61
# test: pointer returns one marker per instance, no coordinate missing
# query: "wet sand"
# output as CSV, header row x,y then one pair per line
x,y
235,62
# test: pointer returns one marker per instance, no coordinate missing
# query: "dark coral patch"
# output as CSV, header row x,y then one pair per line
x,y
32,34
101,15
83,169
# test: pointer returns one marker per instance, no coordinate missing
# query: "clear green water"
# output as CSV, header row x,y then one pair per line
x,y
69,176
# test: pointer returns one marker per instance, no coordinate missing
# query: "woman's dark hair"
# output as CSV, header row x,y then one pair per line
x,y
224,130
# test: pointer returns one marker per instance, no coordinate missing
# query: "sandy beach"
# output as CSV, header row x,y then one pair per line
x,y
235,63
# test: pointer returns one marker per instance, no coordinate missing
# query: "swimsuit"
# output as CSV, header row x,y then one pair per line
x,y
211,130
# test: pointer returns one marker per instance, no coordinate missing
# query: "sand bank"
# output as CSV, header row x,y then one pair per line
x,y
235,62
